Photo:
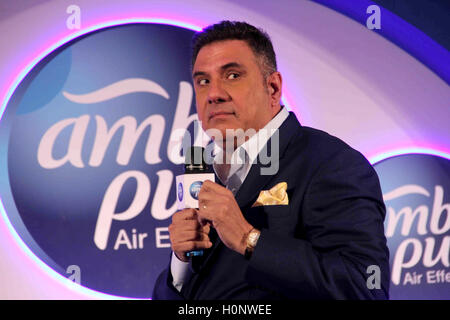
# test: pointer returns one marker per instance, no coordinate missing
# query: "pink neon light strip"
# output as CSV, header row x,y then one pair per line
x,y
377,157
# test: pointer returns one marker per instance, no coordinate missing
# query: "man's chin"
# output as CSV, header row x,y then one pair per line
x,y
225,134
223,130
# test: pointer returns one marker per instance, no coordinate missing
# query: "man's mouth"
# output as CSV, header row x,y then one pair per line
x,y
220,114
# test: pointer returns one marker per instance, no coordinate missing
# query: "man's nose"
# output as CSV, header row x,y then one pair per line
x,y
217,93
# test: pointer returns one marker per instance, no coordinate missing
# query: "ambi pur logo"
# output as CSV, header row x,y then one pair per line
x,y
93,146
194,189
417,225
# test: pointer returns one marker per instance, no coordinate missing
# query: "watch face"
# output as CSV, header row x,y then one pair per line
x,y
253,238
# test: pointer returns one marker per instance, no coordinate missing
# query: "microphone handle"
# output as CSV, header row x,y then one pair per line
x,y
194,253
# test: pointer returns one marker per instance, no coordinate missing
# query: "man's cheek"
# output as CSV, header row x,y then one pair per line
x,y
201,112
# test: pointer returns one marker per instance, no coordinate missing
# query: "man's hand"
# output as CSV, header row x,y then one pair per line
x,y
218,206
187,234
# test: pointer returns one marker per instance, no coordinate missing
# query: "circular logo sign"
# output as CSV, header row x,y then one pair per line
x,y
91,157
194,189
417,224
180,191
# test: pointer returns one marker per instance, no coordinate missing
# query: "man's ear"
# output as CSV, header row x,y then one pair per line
x,y
274,83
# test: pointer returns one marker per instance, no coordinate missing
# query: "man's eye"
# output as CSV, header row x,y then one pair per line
x,y
233,76
202,82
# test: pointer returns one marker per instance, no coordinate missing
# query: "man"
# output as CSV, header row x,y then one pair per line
x,y
308,231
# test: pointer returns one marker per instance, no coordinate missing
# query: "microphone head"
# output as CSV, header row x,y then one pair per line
x,y
194,161
188,185
194,155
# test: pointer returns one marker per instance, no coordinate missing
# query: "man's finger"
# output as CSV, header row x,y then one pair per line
x,y
207,213
206,227
186,225
209,186
210,195
190,235
185,214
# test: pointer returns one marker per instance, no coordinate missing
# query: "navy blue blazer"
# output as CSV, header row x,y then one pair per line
x,y
319,246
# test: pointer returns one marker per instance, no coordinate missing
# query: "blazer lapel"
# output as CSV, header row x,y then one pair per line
x,y
256,180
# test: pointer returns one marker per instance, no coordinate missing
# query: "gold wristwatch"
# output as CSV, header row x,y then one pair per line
x,y
251,241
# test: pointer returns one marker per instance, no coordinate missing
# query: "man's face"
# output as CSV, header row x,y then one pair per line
x,y
231,92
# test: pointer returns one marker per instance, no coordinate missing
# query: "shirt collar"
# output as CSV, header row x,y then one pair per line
x,y
255,143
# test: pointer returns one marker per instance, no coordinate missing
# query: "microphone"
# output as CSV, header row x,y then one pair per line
x,y
188,184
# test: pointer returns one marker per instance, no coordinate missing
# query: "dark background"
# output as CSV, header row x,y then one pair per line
x,y
430,16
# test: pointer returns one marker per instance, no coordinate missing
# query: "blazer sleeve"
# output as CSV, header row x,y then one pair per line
x,y
163,288
340,234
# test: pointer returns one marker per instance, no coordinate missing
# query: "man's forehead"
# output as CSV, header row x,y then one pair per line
x,y
224,53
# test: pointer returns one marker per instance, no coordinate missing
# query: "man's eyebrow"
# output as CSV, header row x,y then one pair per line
x,y
231,65
223,68
198,73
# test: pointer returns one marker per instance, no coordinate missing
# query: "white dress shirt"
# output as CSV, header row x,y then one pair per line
x,y
240,163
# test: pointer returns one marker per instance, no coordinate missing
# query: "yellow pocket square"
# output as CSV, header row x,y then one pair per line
x,y
274,196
